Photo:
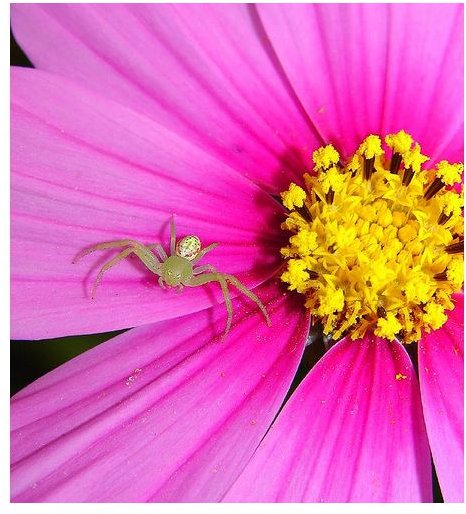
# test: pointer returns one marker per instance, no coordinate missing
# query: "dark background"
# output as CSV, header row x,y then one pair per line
x,y
32,359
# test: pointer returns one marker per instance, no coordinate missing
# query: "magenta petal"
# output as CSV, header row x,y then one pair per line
x,y
161,413
353,431
87,170
205,71
375,68
441,372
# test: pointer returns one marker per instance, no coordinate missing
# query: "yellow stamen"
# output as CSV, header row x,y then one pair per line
x,y
373,251
325,157
388,327
400,142
449,173
294,197
414,159
371,147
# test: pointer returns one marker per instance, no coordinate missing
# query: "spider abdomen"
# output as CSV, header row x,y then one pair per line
x,y
188,247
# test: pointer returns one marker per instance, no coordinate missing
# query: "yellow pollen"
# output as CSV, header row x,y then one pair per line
x,y
455,272
325,157
414,159
400,142
400,376
434,315
452,203
371,251
296,275
449,173
294,197
371,147
388,327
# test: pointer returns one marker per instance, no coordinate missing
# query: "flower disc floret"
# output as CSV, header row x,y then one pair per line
x,y
379,243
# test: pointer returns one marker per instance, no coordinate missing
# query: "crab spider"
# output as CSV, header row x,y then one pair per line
x,y
176,269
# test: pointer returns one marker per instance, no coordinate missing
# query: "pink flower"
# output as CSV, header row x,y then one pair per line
x,y
136,112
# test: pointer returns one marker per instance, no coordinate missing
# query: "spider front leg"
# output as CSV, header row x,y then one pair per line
x,y
103,246
160,250
143,252
122,255
172,236
203,252
148,259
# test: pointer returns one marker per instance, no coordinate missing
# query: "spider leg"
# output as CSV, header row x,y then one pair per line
x,y
122,255
203,252
145,255
103,246
172,235
160,250
161,283
249,294
215,277
229,307
148,259
202,269
143,252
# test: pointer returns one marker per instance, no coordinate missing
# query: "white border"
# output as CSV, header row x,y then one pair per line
x,y
256,508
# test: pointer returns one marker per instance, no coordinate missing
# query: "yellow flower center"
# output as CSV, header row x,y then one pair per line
x,y
376,243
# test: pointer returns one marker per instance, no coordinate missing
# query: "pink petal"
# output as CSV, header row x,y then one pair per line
x,y
87,170
205,71
441,374
375,68
351,432
165,412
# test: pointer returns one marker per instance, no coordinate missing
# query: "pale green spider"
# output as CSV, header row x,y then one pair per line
x,y
176,269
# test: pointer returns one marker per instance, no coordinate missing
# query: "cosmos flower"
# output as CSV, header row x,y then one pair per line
x,y
209,112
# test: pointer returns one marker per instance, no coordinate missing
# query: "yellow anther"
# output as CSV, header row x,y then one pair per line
x,y
331,300
305,241
452,203
414,159
388,327
455,272
296,275
355,163
449,173
371,147
293,222
400,142
418,289
434,315
332,180
325,157
293,197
